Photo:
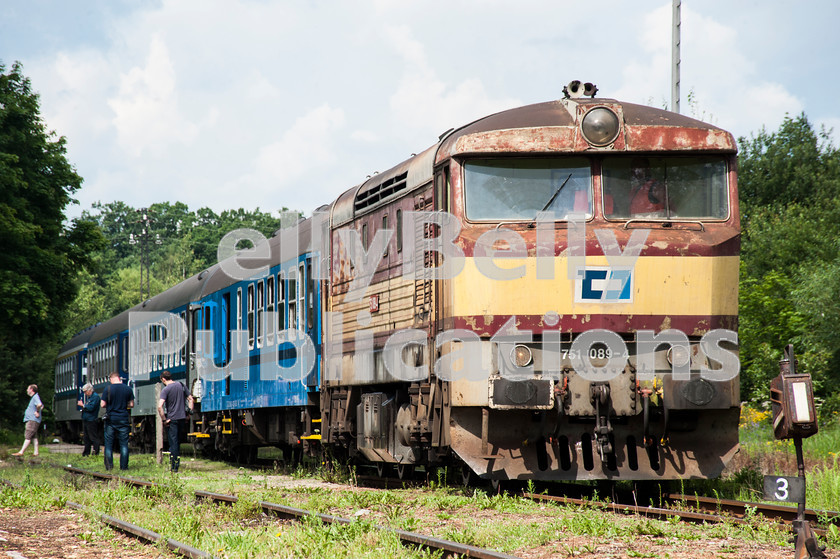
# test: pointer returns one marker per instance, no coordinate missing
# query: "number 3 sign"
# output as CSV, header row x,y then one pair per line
x,y
782,488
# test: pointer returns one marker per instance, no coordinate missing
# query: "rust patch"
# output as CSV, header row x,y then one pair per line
x,y
665,138
548,139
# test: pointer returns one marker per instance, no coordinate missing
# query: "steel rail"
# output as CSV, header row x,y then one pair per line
x,y
659,513
217,497
449,548
143,534
128,480
132,529
739,509
650,512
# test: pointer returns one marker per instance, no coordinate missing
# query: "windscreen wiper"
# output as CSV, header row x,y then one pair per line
x,y
556,192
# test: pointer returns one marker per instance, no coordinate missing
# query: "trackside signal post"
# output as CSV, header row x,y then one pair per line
x,y
794,417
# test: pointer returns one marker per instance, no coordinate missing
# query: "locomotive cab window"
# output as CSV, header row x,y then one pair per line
x,y
516,189
665,188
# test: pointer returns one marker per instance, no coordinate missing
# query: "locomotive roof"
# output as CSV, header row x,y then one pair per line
x,y
554,113
418,170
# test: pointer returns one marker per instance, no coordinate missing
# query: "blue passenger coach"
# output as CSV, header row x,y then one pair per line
x,y
71,370
249,350
259,358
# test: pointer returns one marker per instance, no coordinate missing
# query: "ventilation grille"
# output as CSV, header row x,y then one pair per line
x,y
381,192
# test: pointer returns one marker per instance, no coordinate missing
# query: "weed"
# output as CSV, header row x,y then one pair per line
x,y
650,528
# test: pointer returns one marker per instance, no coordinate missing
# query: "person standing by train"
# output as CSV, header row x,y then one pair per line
x,y
175,399
90,415
32,419
117,399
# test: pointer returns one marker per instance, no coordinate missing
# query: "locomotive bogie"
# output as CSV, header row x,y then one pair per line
x,y
530,445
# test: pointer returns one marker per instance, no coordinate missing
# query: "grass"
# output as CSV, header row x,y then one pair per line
x,y
504,522
761,454
472,516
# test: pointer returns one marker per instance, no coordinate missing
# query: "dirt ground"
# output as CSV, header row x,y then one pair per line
x,y
28,535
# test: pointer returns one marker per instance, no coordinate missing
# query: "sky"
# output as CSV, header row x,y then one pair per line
x,y
268,104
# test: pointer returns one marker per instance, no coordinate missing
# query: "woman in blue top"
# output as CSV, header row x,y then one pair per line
x,y
32,418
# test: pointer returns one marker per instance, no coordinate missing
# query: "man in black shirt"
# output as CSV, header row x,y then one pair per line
x,y
175,398
117,399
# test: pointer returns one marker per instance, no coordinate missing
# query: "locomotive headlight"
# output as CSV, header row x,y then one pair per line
x,y
600,126
521,355
677,355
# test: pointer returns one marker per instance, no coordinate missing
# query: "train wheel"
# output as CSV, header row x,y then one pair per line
x,y
405,471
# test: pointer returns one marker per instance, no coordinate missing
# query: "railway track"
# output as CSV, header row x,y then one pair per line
x,y
449,548
705,509
742,509
142,534
696,509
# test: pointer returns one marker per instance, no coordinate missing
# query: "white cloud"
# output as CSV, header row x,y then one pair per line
x,y
246,103
364,136
716,71
424,101
832,126
146,113
306,146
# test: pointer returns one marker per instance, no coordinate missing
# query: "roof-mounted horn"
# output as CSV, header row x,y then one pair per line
x,y
576,90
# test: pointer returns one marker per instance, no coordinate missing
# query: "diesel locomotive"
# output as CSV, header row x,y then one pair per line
x,y
549,292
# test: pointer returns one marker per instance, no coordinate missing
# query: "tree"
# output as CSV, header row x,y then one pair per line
x,y
41,253
189,243
790,275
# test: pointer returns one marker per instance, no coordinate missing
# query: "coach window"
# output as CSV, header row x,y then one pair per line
x,y
195,325
281,302
516,189
292,322
271,318
310,295
301,279
238,319
183,352
399,231
161,362
251,316
260,313
365,236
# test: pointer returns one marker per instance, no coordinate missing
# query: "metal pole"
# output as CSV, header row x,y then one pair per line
x,y
158,428
675,56
800,463
143,238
